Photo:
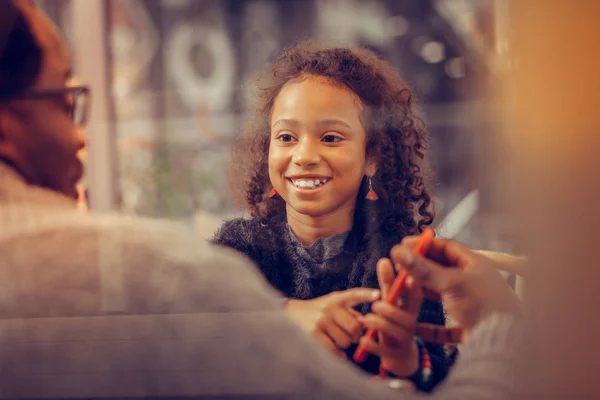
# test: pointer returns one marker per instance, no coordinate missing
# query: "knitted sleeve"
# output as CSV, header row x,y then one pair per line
x,y
256,241
236,235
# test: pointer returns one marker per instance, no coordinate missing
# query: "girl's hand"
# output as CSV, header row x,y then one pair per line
x,y
331,319
396,324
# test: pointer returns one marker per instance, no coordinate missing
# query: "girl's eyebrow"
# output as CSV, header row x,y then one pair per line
x,y
285,121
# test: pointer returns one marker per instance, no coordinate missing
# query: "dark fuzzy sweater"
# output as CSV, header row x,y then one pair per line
x,y
271,246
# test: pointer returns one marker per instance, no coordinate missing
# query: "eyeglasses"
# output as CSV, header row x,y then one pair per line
x,y
76,99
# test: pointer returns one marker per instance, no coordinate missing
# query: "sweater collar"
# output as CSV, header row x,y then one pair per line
x,y
322,250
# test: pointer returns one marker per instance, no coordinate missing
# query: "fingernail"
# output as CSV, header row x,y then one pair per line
x,y
410,280
375,294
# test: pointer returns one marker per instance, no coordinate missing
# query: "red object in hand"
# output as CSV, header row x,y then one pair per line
x,y
396,289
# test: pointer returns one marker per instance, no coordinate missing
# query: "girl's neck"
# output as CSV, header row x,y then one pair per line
x,y
309,228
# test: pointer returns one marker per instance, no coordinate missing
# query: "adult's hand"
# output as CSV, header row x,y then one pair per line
x,y
469,283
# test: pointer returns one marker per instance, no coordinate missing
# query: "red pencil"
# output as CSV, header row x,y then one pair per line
x,y
396,289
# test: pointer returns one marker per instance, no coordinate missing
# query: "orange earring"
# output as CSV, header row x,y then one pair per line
x,y
272,193
371,195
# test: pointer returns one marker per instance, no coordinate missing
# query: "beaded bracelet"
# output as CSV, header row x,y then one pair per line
x,y
426,371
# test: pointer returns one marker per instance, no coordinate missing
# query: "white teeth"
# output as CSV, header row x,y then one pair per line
x,y
304,183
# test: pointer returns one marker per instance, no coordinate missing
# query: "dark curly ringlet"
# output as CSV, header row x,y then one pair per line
x,y
396,136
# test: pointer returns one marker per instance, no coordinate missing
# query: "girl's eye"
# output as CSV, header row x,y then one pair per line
x,y
331,139
285,137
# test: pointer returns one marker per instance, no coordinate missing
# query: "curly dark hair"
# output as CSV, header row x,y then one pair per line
x,y
396,136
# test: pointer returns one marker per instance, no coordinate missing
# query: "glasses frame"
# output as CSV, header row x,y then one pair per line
x,y
77,92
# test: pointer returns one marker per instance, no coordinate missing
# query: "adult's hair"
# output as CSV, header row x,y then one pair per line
x,y
396,137
20,54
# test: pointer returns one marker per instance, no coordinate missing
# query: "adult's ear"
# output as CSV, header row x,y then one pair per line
x,y
11,133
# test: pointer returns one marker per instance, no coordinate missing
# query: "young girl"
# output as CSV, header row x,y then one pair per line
x,y
332,165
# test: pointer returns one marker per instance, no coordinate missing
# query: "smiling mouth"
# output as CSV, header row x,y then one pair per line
x,y
308,183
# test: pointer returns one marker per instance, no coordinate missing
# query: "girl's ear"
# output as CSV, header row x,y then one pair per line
x,y
371,167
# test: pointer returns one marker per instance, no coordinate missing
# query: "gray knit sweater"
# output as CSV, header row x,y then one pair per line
x,y
330,264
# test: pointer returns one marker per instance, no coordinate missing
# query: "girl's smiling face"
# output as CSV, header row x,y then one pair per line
x,y
317,155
